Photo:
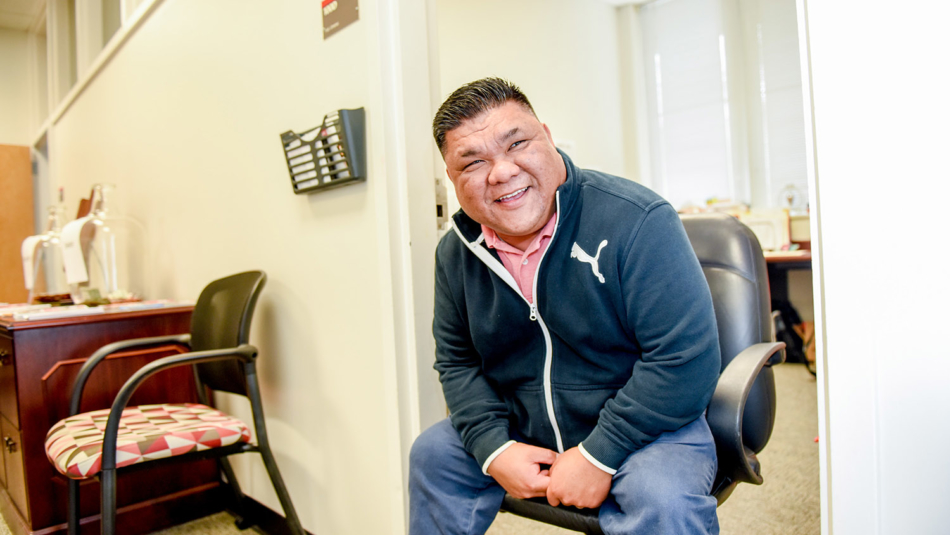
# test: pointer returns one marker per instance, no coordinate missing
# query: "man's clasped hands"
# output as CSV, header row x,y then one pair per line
x,y
568,478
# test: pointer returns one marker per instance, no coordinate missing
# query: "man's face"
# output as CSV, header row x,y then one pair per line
x,y
506,171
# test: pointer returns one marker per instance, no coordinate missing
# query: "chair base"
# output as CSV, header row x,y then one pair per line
x,y
582,520
253,513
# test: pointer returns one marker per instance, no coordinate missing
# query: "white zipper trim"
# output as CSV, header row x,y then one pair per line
x,y
493,264
490,261
548,395
549,348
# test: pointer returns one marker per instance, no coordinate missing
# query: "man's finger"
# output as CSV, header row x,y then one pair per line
x,y
539,485
543,456
552,499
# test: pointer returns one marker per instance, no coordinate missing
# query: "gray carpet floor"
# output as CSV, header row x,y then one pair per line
x,y
786,504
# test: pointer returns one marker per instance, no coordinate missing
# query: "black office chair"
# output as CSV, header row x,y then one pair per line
x,y
742,411
84,445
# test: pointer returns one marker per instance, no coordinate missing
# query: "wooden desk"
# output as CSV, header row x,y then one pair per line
x,y
38,362
779,263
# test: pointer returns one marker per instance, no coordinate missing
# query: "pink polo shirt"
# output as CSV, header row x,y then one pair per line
x,y
522,264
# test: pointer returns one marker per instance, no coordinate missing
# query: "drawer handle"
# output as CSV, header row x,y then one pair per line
x,y
4,357
10,444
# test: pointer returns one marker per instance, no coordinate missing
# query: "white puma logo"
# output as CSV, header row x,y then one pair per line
x,y
578,253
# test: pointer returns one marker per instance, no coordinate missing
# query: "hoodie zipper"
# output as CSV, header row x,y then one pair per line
x,y
549,348
499,269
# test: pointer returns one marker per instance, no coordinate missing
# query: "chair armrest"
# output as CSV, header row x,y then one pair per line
x,y
106,350
243,352
728,403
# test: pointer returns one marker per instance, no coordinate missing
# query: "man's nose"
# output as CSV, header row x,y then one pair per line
x,y
503,171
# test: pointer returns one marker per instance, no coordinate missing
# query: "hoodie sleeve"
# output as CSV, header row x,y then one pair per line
x,y
477,412
669,309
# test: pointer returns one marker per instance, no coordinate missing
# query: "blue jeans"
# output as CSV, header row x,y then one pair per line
x,y
662,488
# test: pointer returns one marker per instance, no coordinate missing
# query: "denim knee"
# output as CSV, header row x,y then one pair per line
x,y
426,451
660,497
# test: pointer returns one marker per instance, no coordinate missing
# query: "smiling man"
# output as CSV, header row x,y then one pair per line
x,y
575,338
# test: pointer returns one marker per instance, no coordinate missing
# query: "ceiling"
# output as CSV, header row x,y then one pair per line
x,y
20,14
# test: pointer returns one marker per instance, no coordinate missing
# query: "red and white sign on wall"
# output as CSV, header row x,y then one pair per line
x,y
338,14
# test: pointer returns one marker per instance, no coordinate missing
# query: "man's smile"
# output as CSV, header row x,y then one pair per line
x,y
512,196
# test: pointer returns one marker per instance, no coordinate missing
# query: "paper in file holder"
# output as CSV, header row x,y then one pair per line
x,y
330,155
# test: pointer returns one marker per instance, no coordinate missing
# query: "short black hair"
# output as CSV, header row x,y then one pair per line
x,y
471,100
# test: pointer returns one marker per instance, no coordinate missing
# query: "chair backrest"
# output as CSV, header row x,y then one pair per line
x,y
734,266
222,319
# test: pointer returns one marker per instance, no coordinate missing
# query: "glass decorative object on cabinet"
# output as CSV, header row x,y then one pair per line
x,y
113,248
49,276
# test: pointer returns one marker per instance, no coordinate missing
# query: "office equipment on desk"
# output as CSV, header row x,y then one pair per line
x,y
793,199
330,155
771,227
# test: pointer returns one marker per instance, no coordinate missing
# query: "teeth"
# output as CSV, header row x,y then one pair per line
x,y
515,194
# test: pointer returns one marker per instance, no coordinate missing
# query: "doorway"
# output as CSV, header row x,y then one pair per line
x,y
700,100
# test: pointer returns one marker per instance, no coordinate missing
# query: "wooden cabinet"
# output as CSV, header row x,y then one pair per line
x,y
38,362
16,218
13,458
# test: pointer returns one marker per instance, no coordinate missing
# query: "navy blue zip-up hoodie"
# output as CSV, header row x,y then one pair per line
x,y
621,343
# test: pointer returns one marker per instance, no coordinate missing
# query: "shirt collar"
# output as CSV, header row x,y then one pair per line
x,y
494,242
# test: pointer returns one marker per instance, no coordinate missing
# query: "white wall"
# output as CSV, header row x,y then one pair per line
x,y
880,112
562,53
14,88
185,119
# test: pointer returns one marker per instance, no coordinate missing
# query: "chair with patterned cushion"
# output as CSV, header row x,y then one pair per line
x,y
97,443
742,410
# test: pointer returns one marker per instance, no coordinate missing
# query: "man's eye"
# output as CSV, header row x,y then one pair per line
x,y
516,143
471,163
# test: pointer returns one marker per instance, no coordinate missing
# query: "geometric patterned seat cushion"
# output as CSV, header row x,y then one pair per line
x,y
146,432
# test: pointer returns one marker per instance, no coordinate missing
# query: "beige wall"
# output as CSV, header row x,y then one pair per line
x,y
14,88
562,53
185,120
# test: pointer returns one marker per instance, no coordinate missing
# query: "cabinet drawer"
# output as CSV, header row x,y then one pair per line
x,y
13,461
8,399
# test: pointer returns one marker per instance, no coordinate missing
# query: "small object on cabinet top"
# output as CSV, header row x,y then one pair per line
x,y
10,309
45,312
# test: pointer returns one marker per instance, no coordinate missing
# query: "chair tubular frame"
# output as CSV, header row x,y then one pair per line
x,y
244,353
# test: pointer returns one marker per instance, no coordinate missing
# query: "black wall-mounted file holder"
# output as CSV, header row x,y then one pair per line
x,y
330,155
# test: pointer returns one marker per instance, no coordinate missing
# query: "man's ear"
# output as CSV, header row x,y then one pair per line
x,y
548,132
449,175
